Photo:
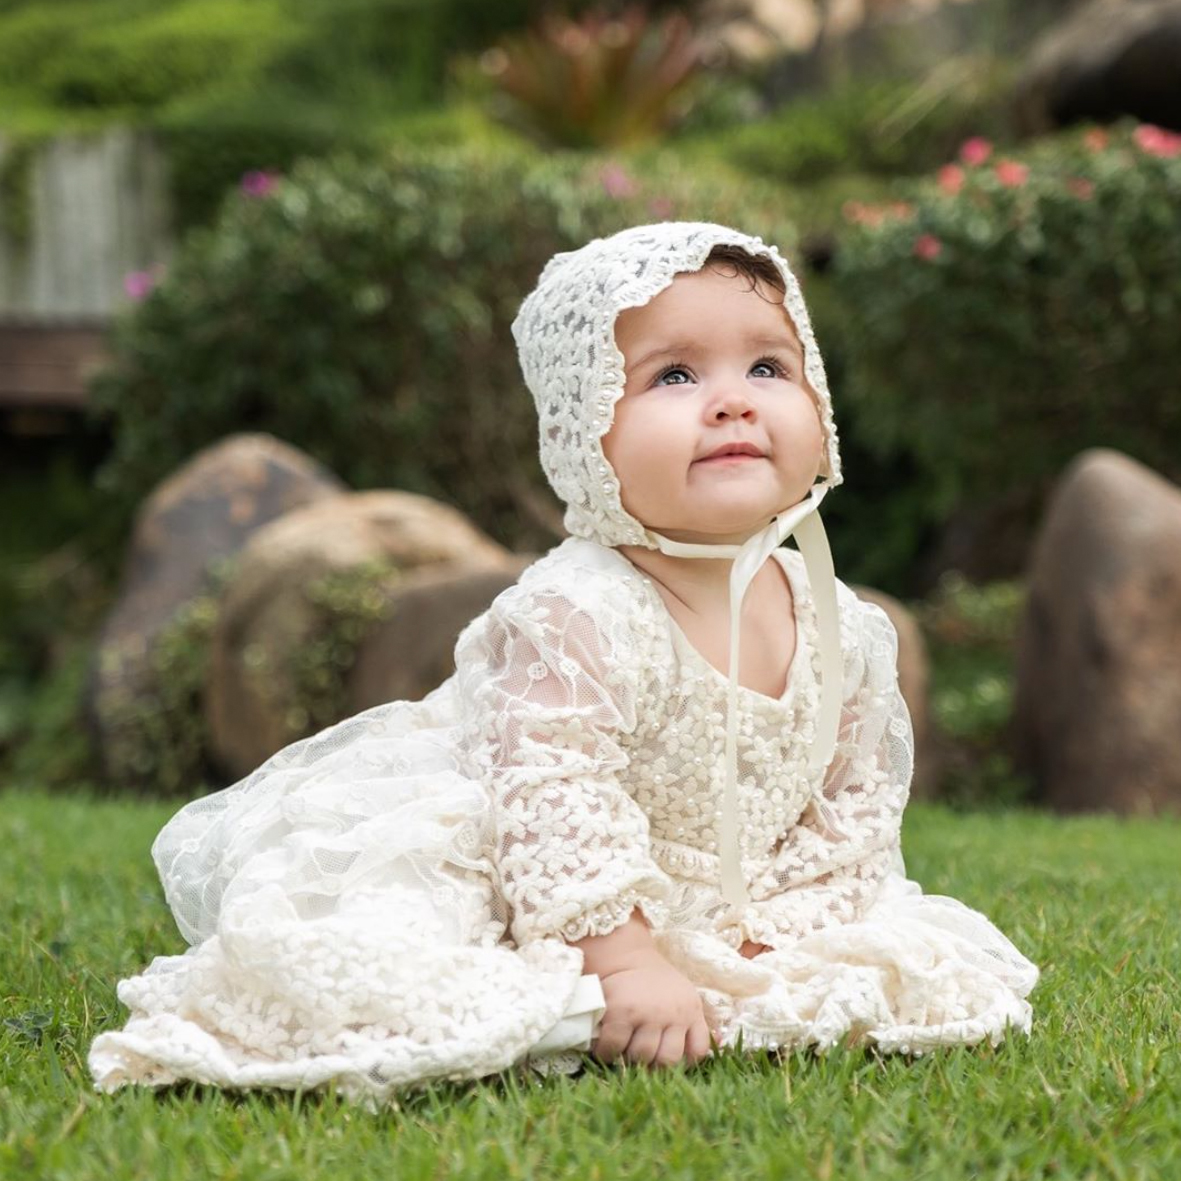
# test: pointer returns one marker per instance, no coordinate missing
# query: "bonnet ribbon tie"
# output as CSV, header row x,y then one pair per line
x,y
802,520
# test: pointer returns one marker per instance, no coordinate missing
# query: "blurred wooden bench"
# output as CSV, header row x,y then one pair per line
x,y
44,369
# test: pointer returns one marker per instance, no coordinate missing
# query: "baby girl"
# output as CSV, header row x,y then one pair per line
x,y
657,807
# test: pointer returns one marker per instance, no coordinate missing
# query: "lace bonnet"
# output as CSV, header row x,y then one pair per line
x,y
565,334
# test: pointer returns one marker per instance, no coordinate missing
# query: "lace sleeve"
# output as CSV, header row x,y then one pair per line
x,y
830,866
545,691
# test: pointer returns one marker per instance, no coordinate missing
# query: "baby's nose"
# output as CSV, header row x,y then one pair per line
x,y
734,405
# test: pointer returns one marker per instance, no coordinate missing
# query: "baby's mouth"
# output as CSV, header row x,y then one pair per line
x,y
733,457
735,449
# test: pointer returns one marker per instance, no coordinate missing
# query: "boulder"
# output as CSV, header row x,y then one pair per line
x,y
202,513
270,626
412,649
1097,703
913,680
1106,59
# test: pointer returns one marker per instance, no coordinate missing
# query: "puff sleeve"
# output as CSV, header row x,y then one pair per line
x,y
830,866
546,690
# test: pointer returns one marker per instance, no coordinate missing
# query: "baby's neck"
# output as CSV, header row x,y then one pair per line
x,y
701,585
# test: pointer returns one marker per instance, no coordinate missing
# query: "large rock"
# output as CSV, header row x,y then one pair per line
x,y
412,649
205,511
269,624
1097,710
913,679
1109,58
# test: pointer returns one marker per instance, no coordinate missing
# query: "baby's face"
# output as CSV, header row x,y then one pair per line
x,y
711,362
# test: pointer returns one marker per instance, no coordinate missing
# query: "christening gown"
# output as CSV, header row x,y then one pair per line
x,y
388,902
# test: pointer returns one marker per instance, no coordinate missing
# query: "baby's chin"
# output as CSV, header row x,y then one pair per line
x,y
714,532
728,523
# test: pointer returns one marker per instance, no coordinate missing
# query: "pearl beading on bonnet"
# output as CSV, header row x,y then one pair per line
x,y
565,335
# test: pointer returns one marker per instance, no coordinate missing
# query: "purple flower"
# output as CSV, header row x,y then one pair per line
x,y
137,284
259,182
616,182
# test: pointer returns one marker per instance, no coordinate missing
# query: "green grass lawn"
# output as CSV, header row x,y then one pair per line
x,y
1096,1092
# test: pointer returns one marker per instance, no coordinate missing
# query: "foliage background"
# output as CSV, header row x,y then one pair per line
x,y
331,166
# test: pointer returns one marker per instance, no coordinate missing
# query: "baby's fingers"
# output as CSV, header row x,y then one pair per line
x,y
672,1046
697,1043
612,1040
644,1045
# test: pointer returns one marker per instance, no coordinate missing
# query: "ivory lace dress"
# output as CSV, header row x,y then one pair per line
x,y
387,902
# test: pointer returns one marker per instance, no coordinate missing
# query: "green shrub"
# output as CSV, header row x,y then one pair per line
x,y
1009,314
210,144
51,607
33,36
361,311
358,56
971,632
140,59
883,126
44,738
311,679
155,737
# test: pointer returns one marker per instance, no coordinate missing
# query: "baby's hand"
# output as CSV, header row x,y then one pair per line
x,y
654,1015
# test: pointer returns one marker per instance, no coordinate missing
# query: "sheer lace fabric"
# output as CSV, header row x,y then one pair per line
x,y
388,902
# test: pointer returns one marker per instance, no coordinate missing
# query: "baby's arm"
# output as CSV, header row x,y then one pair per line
x,y
830,866
546,690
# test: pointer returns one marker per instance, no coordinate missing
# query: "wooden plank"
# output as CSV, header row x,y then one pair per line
x,y
47,366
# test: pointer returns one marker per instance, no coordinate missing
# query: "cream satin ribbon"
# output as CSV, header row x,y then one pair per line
x,y
802,520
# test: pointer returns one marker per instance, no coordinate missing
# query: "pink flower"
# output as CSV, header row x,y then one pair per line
x,y
138,284
1096,139
1082,188
1156,141
660,207
616,182
927,246
975,151
1011,174
951,178
259,183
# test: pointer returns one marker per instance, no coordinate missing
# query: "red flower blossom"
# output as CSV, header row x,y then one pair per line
x,y
975,151
951,178
1156,141
927,246
1011,174
1096,139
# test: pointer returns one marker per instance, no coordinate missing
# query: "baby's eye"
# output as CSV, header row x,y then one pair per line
x,y
774,367
678,373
